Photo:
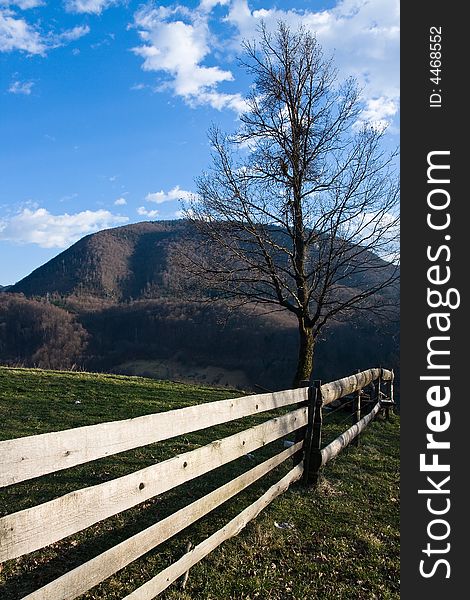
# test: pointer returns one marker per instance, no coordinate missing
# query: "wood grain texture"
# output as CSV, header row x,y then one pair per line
x,y
32,456
34,528
96,570
335,447
348,385
166,577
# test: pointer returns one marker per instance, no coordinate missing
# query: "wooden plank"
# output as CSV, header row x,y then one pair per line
x,y
348,385
166,577
32,456
335,447
34,528
96,570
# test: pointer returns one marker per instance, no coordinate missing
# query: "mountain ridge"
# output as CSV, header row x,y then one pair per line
x,y
125,263
115,263
117,287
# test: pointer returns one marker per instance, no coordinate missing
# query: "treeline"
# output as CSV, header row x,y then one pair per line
x,y
263,347
36,333
100,335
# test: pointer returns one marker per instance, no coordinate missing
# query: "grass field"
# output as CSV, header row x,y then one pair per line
x,y
338,542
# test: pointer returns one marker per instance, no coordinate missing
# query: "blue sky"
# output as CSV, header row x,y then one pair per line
x,y
105,104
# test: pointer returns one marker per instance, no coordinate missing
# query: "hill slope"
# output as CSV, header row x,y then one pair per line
x,y
120,263
118,284
130,262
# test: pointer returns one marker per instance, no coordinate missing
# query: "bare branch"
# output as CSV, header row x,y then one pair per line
x,y
306,218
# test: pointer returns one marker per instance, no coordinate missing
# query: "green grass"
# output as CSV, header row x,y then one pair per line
x,y
339,542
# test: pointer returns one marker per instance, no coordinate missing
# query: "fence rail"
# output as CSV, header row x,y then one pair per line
x,y
34,528
32,456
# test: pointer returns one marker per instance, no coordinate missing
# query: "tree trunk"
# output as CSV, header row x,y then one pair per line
x,y
305,359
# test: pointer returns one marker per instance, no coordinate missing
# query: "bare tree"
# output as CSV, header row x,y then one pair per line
x,y
300,207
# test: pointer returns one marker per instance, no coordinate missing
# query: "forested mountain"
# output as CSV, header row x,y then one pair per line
x,y
127,263
109,299
120,264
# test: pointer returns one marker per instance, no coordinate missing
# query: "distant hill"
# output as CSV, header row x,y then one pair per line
x,y
117,284
124,263
120,264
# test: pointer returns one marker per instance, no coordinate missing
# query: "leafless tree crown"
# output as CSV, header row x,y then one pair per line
x,y
300,208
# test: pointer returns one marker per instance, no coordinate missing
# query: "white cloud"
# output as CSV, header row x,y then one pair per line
x,y
139,86
143,212
175,194
220,101
68,197
95,7
73,34
17,34
381,230
120,202
208,5
39,226
177,42
362,35
187,213
21,87
23,4
379,111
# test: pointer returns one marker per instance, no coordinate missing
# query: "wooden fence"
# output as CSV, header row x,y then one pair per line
x,y
34,528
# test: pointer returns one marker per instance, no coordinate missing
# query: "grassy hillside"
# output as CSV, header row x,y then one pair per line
x,y
340,541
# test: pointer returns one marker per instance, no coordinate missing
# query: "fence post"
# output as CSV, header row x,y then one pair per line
x,y
389,406
312,443
379,392
356,413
